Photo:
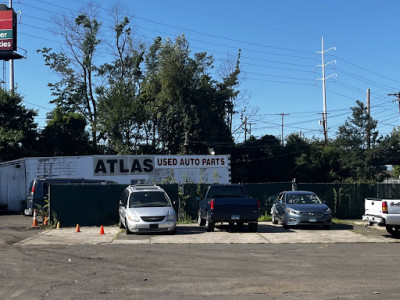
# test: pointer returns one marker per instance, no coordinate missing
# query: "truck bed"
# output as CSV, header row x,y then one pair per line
x,y
382,211
235,209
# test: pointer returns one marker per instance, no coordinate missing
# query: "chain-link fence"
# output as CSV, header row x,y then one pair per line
x,y
345,199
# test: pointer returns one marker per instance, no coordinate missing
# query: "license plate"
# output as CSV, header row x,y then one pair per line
x,y
153,225
235,217
312,220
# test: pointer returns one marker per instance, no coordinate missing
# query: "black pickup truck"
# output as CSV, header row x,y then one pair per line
x,y
228,203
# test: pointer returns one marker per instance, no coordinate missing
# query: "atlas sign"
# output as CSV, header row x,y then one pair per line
x,y
8,30
123,165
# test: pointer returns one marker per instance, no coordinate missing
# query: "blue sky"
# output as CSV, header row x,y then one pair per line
x,y
279,41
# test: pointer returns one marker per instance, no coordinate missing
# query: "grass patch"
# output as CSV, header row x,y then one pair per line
x,y
345,222
187,221
265,218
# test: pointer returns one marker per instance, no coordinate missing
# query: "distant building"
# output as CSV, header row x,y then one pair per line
x,y
16,175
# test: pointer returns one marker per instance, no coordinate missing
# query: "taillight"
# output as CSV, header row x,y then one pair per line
x,y
33,189
384,207
258,205
212,204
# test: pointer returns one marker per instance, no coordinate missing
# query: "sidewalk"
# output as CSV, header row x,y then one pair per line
x,y
68,236
194,234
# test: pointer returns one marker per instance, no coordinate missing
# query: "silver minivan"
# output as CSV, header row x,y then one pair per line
x,y
146,208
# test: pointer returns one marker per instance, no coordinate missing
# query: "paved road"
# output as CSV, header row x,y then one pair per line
x,y
154,270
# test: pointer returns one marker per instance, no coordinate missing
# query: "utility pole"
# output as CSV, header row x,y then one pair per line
x,y
11,65
368,119
282,116
398,98
245,129
323,65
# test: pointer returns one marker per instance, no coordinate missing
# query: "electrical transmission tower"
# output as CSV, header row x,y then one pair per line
x,y
324,122
282,116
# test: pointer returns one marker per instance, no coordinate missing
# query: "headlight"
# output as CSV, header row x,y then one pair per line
x,y
328,211
133,217
171,217
292,211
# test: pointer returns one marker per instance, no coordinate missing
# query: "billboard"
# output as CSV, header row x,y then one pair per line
x,y
8,30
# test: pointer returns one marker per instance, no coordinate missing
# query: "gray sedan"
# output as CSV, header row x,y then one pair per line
x,y
300,208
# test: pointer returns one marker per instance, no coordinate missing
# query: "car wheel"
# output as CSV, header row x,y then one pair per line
x,y
393,230
274,220
210,224
284,224
127,228
121,225
200,220
253,227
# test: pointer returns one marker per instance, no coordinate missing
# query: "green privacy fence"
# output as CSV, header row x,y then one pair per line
x,y
86,205
90,205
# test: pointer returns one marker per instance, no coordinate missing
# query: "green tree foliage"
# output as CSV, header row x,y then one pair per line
x,y
65,134
76,68
258,160
120,112
18,135
357,161
182,100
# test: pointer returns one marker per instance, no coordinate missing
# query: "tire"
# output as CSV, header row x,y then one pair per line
x,y
284,224
253,227
200,220
210,224
393,230
274,220
127,228
121,225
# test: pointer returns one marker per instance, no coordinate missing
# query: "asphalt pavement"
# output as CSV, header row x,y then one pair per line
x,y
346,262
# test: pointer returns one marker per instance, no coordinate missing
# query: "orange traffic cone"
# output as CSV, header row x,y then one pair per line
x,y
45,221
34,224
77,228
102,229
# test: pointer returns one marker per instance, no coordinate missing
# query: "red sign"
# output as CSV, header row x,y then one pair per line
x,y
7,30
6,19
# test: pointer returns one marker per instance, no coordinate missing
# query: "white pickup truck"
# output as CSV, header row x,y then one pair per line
x,y
383,212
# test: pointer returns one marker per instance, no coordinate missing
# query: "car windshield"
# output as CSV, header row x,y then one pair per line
x,y
149,199
302,199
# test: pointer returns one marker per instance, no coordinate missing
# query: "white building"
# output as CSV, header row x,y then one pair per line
x,y
16,175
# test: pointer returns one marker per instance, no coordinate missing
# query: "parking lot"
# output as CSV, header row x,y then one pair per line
x,y
193,234
348,261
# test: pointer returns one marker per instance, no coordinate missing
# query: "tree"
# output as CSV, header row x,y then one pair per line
x,y
258,160
182,100
77,68
18,131
354,133
357,161
65,134
120,111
